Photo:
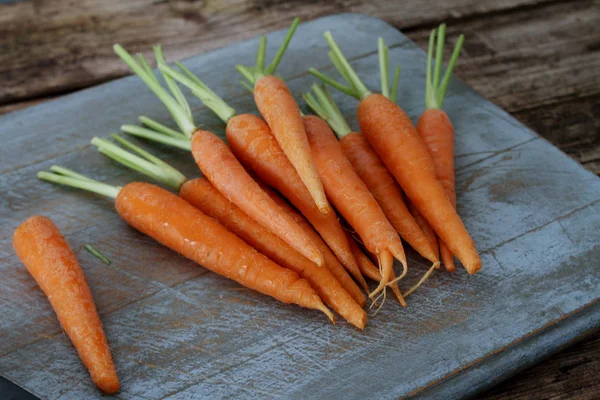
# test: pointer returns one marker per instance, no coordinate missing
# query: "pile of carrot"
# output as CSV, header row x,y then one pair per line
x,y
356,198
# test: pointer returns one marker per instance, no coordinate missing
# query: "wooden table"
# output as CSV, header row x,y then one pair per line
x,y
538,59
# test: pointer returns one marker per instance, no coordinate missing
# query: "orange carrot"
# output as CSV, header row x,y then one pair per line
x,y
49,259
352,199
202,194
280,110
226,173
435,127
331,262
251,141
176,224
396,141
212,155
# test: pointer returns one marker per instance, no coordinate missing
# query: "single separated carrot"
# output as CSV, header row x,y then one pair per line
x,y
435,127
331,262
396,141
204,196
252,142
176,224
216,161
353,200
278,107
373,173
49,259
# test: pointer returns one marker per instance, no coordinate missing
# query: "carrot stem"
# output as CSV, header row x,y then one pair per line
x,y
329,111
441,92
354,79
349,90
157,126
340,67
247,86
160,59
261,53
154,136
394,93
88,184
270,70
97,253
145,163
183,120
383,51
439,55
68,172
430,99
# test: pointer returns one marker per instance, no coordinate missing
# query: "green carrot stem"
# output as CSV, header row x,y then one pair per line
x,y
354,79
430,100
160,59
96,253
439,55
340,68
270,70
200,90
158,127
314,105
441,91
333,114
247,86
261,53
88,184
183,120
149,134
146,67
146,163
383,52
69,172
350,91
394,93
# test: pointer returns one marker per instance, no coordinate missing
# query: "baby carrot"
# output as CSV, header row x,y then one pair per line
x,y
278,107
49,259
176,224
395,139
435,127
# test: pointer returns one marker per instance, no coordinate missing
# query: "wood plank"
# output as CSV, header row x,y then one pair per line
x,y
570,375
51,47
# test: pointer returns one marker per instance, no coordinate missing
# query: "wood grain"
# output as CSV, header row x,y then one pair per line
x,y
537,59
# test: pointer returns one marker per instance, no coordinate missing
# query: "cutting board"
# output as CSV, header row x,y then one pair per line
x,y
177,331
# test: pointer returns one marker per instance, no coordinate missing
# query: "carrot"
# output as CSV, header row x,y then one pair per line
x,y
176,224
216,161
49,259
280,110
331,262
396,141
373,173
253,144
202,195
435,127
352,199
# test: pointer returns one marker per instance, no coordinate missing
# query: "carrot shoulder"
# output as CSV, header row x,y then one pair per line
x,y
201,194
49,259
254,145
224,171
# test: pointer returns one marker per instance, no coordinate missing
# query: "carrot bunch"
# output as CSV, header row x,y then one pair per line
x,y
390,181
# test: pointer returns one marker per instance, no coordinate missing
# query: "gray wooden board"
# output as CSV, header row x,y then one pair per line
x,y
179,332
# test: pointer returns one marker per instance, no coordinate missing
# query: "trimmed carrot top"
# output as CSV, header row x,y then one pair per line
x,y
253,74
435,90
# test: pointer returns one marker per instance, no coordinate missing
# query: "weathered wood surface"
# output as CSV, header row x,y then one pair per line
x,y
543,115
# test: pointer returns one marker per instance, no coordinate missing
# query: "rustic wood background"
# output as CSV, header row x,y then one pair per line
x,y
537,59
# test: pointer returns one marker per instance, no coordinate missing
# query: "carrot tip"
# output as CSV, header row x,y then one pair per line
x,y
326,311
